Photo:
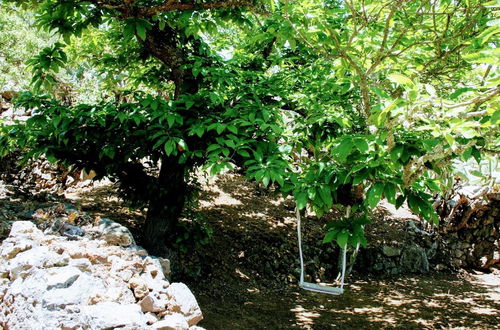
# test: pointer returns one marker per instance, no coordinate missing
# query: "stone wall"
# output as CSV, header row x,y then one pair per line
x,y
94,278
468,236
470,229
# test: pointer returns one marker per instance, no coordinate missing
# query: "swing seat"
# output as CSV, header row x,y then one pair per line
x,y
321,288
313,286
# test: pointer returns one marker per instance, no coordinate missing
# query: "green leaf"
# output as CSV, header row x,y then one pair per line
x,y
301,199
342,238
477,155
162,24
265,180
326,196
400,79
390,192
495,117
399,201
189,103
344,149
182,144
396,153
374,194
244,153
361,144
330,236
140,30
433,185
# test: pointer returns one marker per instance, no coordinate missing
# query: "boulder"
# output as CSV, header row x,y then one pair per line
x,y
391,251
60,282
113,233
171,322
183,298
110,315
414,260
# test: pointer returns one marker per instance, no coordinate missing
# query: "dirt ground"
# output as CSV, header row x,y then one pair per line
x,y
245,277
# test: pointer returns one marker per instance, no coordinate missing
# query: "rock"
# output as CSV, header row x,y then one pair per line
x,y
185,300
82,264
139,286
154,267
23,227
151,318
391,251
114,233
152,304
10,248
39,257
165,265
157,284
62,277
50,282
78,293
110,315
171,322
414,260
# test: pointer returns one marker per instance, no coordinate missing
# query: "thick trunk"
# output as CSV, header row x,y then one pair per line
x,y
165,207
169,195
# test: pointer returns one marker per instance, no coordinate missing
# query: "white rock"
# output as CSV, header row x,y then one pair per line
x,y
165,265
109,315
11,247
37,257
185,300
154,284
151,318
82,264
114,233
78,293
150,303
154,267
62,277
139,286
24,227
171,322
48,282
4,286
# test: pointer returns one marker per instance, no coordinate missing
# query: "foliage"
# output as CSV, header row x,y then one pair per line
x,y
335,103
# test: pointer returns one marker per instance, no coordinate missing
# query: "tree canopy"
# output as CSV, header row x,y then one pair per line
x,y
337,103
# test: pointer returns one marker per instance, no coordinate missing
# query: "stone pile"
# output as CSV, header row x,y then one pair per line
x,y
99,280
470,230
416,252
468,236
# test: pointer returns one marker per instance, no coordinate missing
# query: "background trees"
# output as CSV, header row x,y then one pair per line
x,y
338,103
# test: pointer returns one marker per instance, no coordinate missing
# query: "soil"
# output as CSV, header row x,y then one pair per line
x,y
245,276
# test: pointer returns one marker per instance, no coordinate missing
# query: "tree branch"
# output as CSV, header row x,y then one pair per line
x,y
477,100
173,5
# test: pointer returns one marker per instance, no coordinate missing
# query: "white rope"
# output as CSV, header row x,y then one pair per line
x,y
299,235
316,287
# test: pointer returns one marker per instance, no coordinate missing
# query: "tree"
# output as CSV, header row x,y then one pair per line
x,y
338,103
192,125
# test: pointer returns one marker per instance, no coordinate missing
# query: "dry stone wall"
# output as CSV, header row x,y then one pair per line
x,y
468,236
95,279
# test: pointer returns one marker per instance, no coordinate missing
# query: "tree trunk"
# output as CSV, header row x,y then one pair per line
x,y
165,206
168,198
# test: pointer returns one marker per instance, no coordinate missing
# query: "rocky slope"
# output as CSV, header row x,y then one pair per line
x,y
92,277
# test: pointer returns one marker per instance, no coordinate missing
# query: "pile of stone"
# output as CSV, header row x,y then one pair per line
x,y
468,236
98,280
417,251
470,227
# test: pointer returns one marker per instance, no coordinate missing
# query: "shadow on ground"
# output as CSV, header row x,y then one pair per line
x,y
245,277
